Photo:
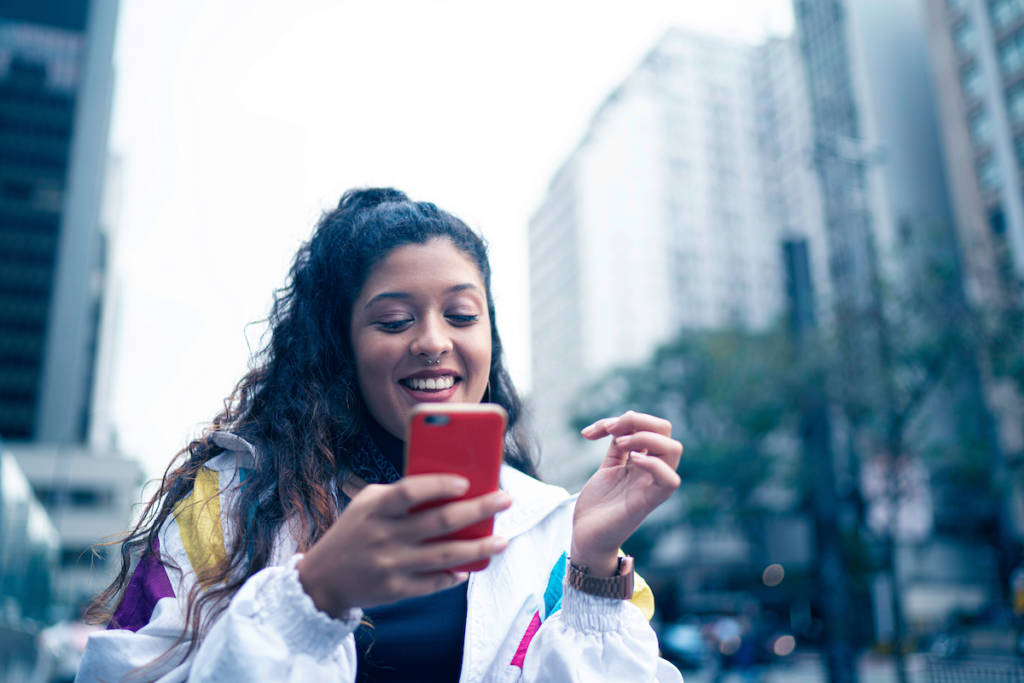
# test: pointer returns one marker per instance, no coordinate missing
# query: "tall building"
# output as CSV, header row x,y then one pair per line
x,y
878,152
88,496
56,81
978,54
792,193
659,220
978,51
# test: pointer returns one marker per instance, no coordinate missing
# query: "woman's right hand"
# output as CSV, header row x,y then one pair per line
x,y
375,552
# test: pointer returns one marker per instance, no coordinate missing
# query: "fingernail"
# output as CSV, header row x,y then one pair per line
x,y
460,484
611,424
498,544
619,440
460,577
588,428
637,456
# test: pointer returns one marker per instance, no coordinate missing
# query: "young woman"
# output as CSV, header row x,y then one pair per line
x,y
282,546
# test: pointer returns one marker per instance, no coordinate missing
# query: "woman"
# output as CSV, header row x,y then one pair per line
x,y
283,546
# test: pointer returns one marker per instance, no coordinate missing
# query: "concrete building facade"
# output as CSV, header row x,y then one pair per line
x,y
56,223
978,54
664,218
56,83
890,173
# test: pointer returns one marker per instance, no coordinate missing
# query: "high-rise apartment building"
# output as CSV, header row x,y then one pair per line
x,y
978,54
660,219
978,51
878,152
56,81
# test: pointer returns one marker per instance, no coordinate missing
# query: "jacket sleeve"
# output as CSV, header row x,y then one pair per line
x,y
273,632
270,630
596,639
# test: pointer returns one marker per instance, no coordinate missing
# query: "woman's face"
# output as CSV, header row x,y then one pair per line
x,y
422,302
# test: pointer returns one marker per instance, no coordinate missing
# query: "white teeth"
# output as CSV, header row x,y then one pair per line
x,y
431,383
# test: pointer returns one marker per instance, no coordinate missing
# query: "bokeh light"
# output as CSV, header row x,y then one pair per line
x,y
784,645
773,574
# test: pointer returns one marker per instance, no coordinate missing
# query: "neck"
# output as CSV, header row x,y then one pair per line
x,y
390,446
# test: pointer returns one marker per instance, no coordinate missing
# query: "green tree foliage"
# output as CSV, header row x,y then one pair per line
x,y
730,396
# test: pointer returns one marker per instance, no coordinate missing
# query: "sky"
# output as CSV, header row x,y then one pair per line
x,y
236,123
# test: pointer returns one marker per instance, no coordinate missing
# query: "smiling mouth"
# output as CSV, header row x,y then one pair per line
x,y
430,383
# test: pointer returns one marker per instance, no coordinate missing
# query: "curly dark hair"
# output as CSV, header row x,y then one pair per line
x,y
300,402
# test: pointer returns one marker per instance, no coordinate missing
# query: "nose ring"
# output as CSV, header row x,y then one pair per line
x,y
436,361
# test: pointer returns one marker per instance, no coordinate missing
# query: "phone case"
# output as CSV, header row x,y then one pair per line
x,y
465,439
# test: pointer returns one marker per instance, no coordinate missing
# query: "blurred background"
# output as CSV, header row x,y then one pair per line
x,y
795,228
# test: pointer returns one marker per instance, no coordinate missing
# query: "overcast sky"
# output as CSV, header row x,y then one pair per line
x,y
237,123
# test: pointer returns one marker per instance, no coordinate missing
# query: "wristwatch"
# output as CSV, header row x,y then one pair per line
x,y
619,586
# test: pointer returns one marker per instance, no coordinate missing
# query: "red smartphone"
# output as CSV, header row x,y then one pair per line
x,y
459,438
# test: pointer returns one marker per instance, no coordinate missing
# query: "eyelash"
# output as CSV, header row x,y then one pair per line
x,y
463,319
396,326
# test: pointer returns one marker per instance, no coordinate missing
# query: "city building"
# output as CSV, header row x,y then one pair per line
x,y
29,549
878,152
667,215
792,194
978,55
30,545
56,82
89,498
56,298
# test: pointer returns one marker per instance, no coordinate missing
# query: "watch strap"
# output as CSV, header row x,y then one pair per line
x,y
619,587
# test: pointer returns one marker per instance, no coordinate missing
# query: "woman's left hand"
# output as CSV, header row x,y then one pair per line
x,y
637,475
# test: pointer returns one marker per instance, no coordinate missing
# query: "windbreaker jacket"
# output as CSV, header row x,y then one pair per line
x,y
523,622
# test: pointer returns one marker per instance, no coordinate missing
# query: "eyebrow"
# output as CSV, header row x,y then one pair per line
x,y
407,295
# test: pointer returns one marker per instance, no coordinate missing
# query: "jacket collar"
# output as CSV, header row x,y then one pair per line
x,y
532,501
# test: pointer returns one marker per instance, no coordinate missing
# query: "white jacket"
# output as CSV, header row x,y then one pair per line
x,y
271,631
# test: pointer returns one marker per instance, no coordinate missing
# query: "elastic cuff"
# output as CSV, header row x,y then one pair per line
x,y
285,607
586,612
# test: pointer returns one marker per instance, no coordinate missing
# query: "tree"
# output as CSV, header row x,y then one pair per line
x,y
729,395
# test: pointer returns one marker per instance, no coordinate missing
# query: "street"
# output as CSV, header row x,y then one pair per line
x,y
809,668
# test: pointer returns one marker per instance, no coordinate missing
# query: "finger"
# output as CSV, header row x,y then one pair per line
x,y
664,447
632,421
599,429
430,557
450,517
394,500
665,478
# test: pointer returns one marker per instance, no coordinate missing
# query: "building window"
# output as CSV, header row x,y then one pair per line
x,y
971,82
1015,103
74,497
1005,12
1011,53
963,37
989,178
981,128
